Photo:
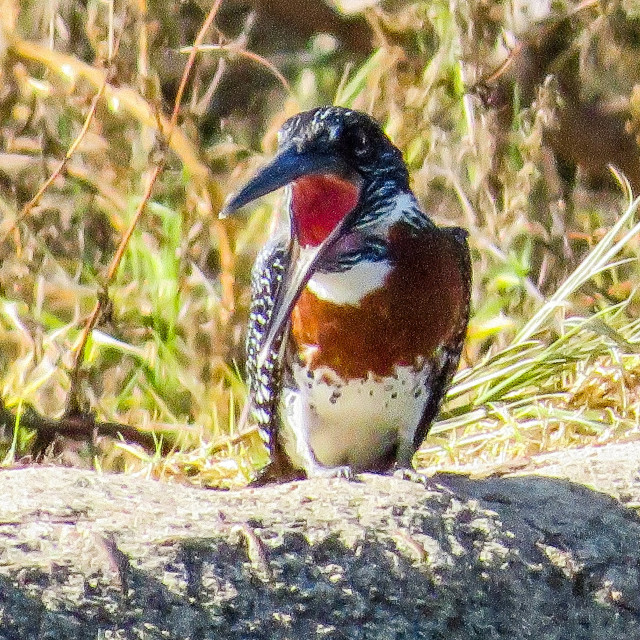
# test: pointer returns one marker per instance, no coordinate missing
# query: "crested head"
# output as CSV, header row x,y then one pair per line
x,y
329,141
354,137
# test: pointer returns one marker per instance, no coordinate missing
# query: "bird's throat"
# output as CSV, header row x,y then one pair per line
x,y
319,202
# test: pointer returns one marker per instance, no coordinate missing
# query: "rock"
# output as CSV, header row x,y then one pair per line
x,y
84,555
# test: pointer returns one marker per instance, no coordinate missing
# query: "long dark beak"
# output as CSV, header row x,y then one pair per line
x,y
289,165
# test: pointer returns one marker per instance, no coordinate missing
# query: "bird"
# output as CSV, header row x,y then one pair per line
x,y
359,303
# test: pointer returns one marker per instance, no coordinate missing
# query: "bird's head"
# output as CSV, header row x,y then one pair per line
x,y
337,162
333,158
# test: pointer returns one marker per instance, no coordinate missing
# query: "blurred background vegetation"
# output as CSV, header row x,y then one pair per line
x,y
518,120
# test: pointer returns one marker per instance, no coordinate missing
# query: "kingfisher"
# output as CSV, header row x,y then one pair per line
x,y
359,303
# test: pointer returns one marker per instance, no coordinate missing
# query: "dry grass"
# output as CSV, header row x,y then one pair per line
x,y
85,104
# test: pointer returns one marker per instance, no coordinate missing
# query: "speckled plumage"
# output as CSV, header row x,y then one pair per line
x,y
264,382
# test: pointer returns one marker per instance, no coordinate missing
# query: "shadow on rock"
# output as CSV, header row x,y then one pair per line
x,y
526,557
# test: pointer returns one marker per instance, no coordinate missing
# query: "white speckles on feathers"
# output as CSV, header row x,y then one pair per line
x,y
352,422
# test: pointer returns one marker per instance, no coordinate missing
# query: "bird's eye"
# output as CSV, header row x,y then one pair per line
x,y
360,144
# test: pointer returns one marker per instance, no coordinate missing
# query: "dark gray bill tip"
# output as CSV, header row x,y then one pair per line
x,y
228,208
255,188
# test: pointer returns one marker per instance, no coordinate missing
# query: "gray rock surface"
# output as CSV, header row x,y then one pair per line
x,y
84,555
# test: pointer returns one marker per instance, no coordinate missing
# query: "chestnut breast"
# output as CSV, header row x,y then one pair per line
x,y
423,304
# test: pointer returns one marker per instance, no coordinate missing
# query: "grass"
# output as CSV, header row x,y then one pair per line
x,y
566,378
551,359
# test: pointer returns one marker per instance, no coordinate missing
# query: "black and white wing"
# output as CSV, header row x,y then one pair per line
x,y
266,379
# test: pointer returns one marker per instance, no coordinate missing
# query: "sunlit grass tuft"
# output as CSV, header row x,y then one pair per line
x,y
565,379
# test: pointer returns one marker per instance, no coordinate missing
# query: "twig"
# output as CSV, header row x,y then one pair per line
x,y
233,48
113,50
515,51
256,550
187,70
127,100
63,163
74,404
78,427
131,102
113,267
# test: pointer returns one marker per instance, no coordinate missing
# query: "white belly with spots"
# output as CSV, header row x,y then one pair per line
x,y
357,423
